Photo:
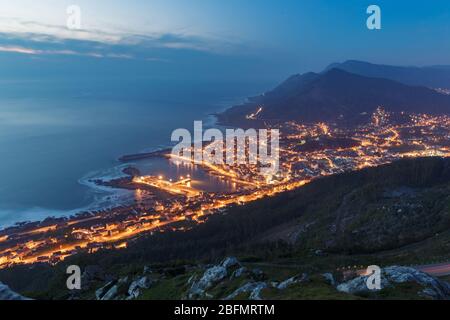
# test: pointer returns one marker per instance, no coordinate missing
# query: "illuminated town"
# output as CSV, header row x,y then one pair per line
x,y
307,152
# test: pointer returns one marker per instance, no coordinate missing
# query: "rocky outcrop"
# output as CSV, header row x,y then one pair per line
x,y
7,294
212,276
291,281
254,288
100,293
230,262
231,269
329,278
126,289
358,285
258,275
147,270
242,271
113,289
123,289
434,288
390,276
110,294
136,286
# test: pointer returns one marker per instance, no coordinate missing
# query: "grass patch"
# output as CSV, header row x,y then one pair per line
x,y
315,289
167,289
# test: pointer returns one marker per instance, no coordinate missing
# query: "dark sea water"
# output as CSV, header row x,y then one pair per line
x,y
57,134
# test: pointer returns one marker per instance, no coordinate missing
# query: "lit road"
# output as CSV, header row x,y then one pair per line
x,y
437,270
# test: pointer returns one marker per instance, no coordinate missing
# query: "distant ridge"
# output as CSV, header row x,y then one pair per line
x,y
431,76
337,94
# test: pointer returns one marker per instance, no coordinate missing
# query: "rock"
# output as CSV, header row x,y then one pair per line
x,y
113,292
255,295
100,293
274,284
147,270
390,276
230,262
291,281
239,272
429,293
208,296
329,278
358,285
440,288
254,288
7,294
211,277
136,286
258,275
191,279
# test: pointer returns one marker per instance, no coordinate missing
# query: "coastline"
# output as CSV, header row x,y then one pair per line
x,y
123,210
105,197
178,205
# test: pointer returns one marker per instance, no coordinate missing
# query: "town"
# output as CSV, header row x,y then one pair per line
x,y
306,152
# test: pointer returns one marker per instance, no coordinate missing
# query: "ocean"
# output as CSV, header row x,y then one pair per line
x,y
57,134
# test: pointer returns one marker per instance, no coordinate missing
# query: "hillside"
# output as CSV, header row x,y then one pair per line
x,y
335,95
394,214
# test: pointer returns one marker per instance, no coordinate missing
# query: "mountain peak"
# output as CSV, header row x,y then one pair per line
x,y
432,76
346,62
339,94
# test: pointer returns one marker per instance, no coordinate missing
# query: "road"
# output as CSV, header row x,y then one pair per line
x,y
437,270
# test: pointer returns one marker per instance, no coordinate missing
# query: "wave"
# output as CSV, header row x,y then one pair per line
x,y
103,198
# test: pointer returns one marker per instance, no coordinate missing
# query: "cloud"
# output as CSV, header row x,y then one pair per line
x,y
99,43
18,50
103,54
46,32
120,56
31,51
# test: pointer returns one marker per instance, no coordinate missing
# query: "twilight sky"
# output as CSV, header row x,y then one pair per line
x,y
263,38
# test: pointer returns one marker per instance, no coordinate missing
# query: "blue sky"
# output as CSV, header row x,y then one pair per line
x,y
264,38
